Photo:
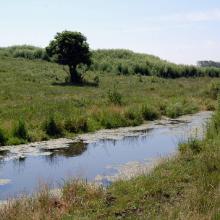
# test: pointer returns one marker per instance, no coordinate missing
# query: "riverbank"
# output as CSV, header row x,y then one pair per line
x,y
45,148
183,187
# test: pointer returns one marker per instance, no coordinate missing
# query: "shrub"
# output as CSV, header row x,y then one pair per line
x,y
214,90
210,106
190,108
52,128
123,69
3,138
150,113
93,124
115,97
20,130
113,120
174,110
24,53
16,141
192,146
77,125
134,117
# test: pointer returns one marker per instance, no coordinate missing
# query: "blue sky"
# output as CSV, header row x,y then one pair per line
x,y
180,31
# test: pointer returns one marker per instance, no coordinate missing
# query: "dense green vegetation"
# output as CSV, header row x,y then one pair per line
x,y
127,62
123,62
71,49
37,103
183,187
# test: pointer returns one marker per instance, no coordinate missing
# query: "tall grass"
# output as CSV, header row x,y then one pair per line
x,y
25,51
150,113
53,128
214,90
123,62
114,97
76,125
126,62
20,130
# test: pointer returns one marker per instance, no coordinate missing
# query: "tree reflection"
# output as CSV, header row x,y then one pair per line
x,y
74,150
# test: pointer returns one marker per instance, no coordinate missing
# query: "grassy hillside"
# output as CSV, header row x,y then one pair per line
x,y
37,104
126,62
121,61
184,187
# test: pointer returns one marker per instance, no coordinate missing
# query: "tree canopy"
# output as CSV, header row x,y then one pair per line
x,y
71,49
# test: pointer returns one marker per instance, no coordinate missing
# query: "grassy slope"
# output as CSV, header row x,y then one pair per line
x,y
122,62
35,90
185,187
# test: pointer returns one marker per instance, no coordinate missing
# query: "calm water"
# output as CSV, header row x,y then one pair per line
x,y
88,161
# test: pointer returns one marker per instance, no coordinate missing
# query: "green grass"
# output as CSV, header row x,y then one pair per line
x,y
35,90
37,104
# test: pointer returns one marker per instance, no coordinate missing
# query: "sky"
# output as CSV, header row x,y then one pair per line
x,y
179,31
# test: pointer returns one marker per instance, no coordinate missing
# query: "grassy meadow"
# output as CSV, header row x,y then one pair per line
x,y
37,103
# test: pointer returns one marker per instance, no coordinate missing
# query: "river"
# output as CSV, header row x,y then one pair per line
x,y
100,157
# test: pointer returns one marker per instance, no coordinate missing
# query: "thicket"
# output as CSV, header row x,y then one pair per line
x,y
126,62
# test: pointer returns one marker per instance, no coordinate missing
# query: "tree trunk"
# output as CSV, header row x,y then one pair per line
x,y
74,76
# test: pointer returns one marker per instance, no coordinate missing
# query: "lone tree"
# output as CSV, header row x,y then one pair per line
x,y
71,49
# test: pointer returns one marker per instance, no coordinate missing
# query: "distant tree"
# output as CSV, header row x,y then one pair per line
x,y
71,49
208,63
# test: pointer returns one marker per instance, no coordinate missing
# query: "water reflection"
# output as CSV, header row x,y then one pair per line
x,y
3,153
19,164
74,150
